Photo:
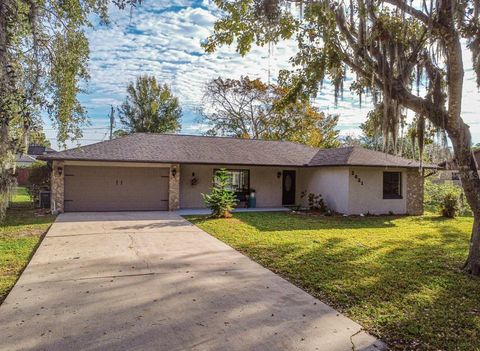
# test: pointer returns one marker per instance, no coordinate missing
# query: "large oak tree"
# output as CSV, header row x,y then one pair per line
x,y
406,54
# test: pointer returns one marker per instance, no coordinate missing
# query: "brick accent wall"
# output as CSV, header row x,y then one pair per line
x,y
174,188
57,187
414,192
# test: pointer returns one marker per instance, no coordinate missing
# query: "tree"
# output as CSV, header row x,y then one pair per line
x,y
150,107
407,141
407,55
35,136
249,108
222,199
43,58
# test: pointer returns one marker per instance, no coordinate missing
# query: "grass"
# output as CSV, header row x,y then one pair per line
x,y
20,234
21,197
398,277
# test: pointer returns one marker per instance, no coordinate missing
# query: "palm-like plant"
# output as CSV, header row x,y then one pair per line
x,y
222,199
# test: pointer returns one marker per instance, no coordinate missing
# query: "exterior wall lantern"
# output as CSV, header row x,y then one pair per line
x,y
174,172
279,174
194,179
59,171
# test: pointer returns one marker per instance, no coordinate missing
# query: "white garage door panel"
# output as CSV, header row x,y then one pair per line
x,y
115,188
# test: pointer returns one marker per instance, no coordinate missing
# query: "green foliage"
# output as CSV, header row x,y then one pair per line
x,y
221,199
315,202
405,55
38,180
150,107
250,108
119,133
36,134
388,48
445,198
43,62
450,205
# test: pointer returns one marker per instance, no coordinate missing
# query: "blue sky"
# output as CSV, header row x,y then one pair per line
x,y
162,38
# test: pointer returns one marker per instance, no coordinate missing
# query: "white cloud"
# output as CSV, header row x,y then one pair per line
x,y
163,38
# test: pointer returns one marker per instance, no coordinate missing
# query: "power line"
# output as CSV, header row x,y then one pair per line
x,y
85,128
82,139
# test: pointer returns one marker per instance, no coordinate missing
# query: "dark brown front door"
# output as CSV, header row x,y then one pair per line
x,y
288,184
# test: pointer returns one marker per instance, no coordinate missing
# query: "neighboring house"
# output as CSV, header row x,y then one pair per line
x,y
168,172
24,161
448,171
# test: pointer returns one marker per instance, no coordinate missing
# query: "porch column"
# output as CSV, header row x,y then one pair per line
x,y
57,187
414,192
174,187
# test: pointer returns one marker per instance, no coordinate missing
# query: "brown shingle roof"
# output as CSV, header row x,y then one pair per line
x,y
359,156
171,148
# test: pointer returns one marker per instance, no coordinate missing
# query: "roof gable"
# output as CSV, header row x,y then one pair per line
x,y
359,156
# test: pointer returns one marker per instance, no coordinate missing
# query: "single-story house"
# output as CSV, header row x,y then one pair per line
x,y
146,171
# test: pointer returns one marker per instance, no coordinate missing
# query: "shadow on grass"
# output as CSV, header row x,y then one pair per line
x,y
18,217
397,276
281,221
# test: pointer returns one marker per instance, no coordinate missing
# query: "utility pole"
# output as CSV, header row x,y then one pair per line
x,y
112,121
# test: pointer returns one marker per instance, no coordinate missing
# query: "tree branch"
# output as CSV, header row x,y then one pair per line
x,y
403,5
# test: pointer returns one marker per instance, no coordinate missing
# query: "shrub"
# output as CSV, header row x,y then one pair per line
x,y
38,180
221,200
445,198
450,205
315,202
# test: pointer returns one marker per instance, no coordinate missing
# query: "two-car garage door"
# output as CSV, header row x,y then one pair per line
x,y
92,188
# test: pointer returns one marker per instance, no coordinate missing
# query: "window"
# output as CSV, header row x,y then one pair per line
x,y
239,182
392,185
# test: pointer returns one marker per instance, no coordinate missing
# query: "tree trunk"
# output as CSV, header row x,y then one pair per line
x,y
471,185
7,153
458,131
472,264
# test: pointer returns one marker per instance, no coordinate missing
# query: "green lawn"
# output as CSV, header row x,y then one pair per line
x,y
399,277
20,235
21,198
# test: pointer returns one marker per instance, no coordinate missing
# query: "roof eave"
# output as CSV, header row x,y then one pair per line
x,y
300,165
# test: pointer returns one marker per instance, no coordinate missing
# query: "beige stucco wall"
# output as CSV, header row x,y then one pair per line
x,y
340,189
264,180
368,198
330,182
343,192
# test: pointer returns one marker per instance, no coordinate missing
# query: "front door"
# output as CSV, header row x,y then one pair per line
x,y
288,185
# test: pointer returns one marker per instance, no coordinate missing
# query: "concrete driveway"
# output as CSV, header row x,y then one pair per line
x,y
153,281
